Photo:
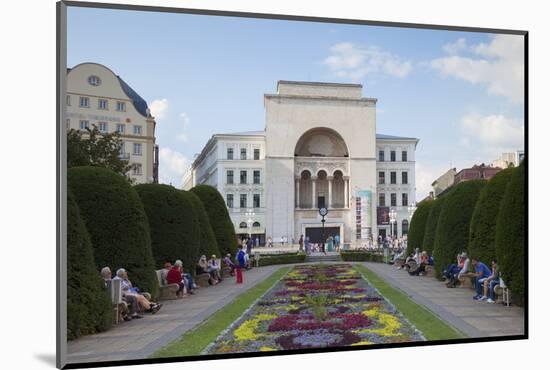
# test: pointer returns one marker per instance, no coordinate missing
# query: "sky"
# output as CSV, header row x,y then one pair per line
x,y
460,93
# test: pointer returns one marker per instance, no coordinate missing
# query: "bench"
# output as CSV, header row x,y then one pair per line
x,y
226,272
166,291
430,271
502,293
202,280
118,304
465,281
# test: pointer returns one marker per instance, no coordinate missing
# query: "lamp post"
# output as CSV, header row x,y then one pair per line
x,y
393,219
323,212
249,214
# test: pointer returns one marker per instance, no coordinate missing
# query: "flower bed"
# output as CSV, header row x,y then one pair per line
x,y
316,306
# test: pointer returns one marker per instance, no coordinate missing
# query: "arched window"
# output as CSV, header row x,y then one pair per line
x,y
404,227
321,189
256,224
242,225
321,142
338,190
305,190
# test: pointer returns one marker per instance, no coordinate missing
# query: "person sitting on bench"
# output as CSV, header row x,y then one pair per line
x,y
482,273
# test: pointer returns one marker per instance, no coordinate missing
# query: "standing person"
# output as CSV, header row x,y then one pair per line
x,y
337,242
270,242
249,244
257,242
240,264
301,243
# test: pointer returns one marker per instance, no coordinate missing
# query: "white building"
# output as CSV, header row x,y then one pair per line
x,y
507,159
96,96
319,149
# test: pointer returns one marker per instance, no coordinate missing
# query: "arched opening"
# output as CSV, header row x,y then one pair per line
x,y
242,225
256,224
321,194
404,227
305,190
338,189
321,142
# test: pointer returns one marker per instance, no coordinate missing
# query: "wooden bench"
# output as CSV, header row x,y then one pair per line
x,y
166,291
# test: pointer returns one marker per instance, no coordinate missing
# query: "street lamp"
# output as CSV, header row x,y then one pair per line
x,y
393,219
323,212
249,214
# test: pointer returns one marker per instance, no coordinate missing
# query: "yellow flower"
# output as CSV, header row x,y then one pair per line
x,y
266,349
247,329
362,343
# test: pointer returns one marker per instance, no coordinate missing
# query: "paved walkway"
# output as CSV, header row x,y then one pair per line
x,y
141,338
455,306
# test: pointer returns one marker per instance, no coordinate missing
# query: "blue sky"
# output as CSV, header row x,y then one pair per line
x,y
461,93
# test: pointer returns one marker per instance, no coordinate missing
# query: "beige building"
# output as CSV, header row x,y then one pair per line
x,y
97,96
319,149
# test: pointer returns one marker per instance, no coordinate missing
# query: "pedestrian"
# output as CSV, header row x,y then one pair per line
x,y
337,242
249,245
269,242
257,242
240,264
301,243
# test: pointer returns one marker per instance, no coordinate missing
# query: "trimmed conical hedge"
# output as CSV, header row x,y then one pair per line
x,y
415,238
453,227
484,218
219,218
510,235
88,303
208,244
173,224
431,225
118,227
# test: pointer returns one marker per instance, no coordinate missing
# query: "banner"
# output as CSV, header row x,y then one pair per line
x,y
363,214
383,215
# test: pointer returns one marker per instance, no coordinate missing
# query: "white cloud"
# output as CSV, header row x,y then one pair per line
x,y
182,136
492,134
159,107
498,65
355,62
172,167
424,176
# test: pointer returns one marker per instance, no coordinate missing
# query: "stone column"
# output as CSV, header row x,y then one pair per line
x,y
313,191
329,178
346,195
298,193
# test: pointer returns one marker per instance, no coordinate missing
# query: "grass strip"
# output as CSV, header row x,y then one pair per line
x,y
195,341
431,326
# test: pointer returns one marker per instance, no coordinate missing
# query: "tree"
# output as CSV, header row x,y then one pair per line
x,y
484,218
175,229
208,243
95,148
453,227
510,235
220,221
431,225
88,303
117,223
415,237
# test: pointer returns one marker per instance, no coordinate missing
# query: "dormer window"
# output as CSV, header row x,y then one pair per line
x,y
94,80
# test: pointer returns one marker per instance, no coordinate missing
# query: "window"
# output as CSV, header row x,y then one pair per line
x,y
381,178
243,201
102,126
229,200
137,130
137,148
256,176
103,104
229,153
256,154
393,177
256,201
392,156
381,155
120,106
256,224
404,178
84,102
68,123
120,128
404,227
136,169
94,80
381,200
243,177
84,125
121,150
404,199
243,153
393,199
404,156
230,177
242,225
68,100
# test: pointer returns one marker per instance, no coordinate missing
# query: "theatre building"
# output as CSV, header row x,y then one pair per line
x,y
319,148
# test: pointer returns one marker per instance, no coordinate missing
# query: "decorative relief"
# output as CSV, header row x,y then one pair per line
x,y
315,165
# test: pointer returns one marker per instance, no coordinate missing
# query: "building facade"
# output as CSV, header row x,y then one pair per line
x,y
96,96
509,159
319,149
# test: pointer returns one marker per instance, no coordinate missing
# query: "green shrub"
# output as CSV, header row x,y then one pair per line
x,y
484,218
510,235
208,244
88,303
453,227
219,218
280,260
431,225
361,256
113,214
173,224
415,237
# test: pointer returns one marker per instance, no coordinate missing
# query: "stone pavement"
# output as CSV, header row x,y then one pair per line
x,y
455,306
138,339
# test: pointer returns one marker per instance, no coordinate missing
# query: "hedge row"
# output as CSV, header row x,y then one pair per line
x,y
415,237
361,256
281,260
431,225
